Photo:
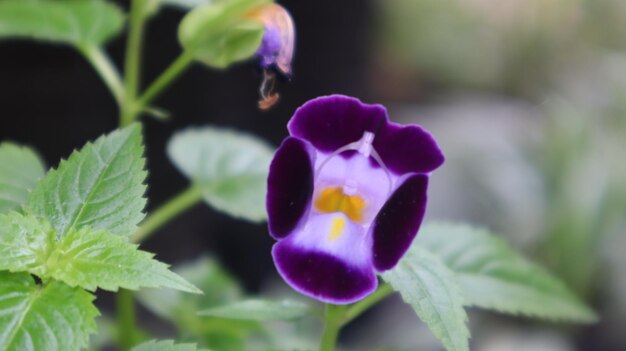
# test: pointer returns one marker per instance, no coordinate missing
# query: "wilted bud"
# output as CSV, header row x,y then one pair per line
x,y
276,50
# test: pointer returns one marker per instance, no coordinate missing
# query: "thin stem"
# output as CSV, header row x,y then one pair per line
x,y
167,211
133,60
107,71
172,72
358,308
333,321
126,320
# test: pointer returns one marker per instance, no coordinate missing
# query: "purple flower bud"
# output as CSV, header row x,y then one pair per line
x,y
277,45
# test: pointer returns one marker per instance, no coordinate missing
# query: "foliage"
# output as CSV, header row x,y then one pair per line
x,y
75,22
36,317
430,288
493,276
165,345
230,167
100,186
20,171
69,237
259,310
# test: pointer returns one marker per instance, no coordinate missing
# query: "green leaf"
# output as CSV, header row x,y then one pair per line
x,y
185,4
100,186
230,167
76,22
493,276
181,309
49,317
219,288
20,169
100,260
221,34
425,283
259,310
85,258
165,345
25,243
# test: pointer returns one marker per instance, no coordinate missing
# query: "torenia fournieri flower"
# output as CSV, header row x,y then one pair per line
x,y
276,49
346,196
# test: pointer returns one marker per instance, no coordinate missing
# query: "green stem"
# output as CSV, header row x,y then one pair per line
x,y
107,71
358,308
333,321
172,72
133,60
127,330
166,212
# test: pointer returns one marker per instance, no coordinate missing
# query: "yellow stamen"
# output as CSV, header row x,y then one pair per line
x,y
336,228
334,200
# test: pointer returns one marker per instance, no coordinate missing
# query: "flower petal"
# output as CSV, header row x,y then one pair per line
x,y
329,260
289,186
330,122
397,223
408,149
369,181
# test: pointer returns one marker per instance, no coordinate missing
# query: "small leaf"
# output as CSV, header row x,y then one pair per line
x,y
165,345
25,243
259,310
221,34
181,309
99,260
230,167
426,284
185,4
493,276
49,317
76,22
85,258
20,169
219,288
100,186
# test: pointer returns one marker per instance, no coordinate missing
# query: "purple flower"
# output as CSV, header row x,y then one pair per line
x,y
346,196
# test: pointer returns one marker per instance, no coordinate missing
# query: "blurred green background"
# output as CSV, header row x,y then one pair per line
x,y
528,100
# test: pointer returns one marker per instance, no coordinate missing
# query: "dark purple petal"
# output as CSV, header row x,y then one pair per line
x,y
322,276
397,223
331,122
289,186
408,149
270,47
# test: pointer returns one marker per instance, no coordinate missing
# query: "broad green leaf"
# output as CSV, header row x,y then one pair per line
x,y
25,243
494,276
181,309
425,283
165,345
76,22
219,288
259,310
43,317
20,169
100,186
185,4
99,260
230,167
85,258
222,33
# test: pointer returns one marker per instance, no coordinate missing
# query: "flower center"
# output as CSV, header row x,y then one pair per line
x,y
342,200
